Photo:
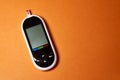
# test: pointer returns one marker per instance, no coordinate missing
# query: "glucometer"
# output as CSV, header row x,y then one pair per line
x,y
38,41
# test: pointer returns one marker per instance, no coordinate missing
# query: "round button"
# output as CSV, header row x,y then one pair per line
x,y
44,61
43,55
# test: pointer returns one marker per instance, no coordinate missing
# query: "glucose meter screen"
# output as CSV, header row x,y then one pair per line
x,y
37,37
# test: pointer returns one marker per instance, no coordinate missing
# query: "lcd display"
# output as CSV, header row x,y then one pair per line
x,y
37,37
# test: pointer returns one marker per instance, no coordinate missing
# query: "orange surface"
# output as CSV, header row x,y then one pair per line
x,y
86,34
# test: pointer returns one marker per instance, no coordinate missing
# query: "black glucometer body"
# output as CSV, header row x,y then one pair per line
x,y
39,43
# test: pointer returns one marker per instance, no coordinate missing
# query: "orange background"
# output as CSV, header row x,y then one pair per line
x,y
86,34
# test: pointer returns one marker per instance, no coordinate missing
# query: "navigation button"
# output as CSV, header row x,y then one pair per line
x,y
50,56
43,55
44,61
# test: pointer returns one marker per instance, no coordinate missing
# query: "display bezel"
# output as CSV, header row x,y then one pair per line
x,y
32,22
